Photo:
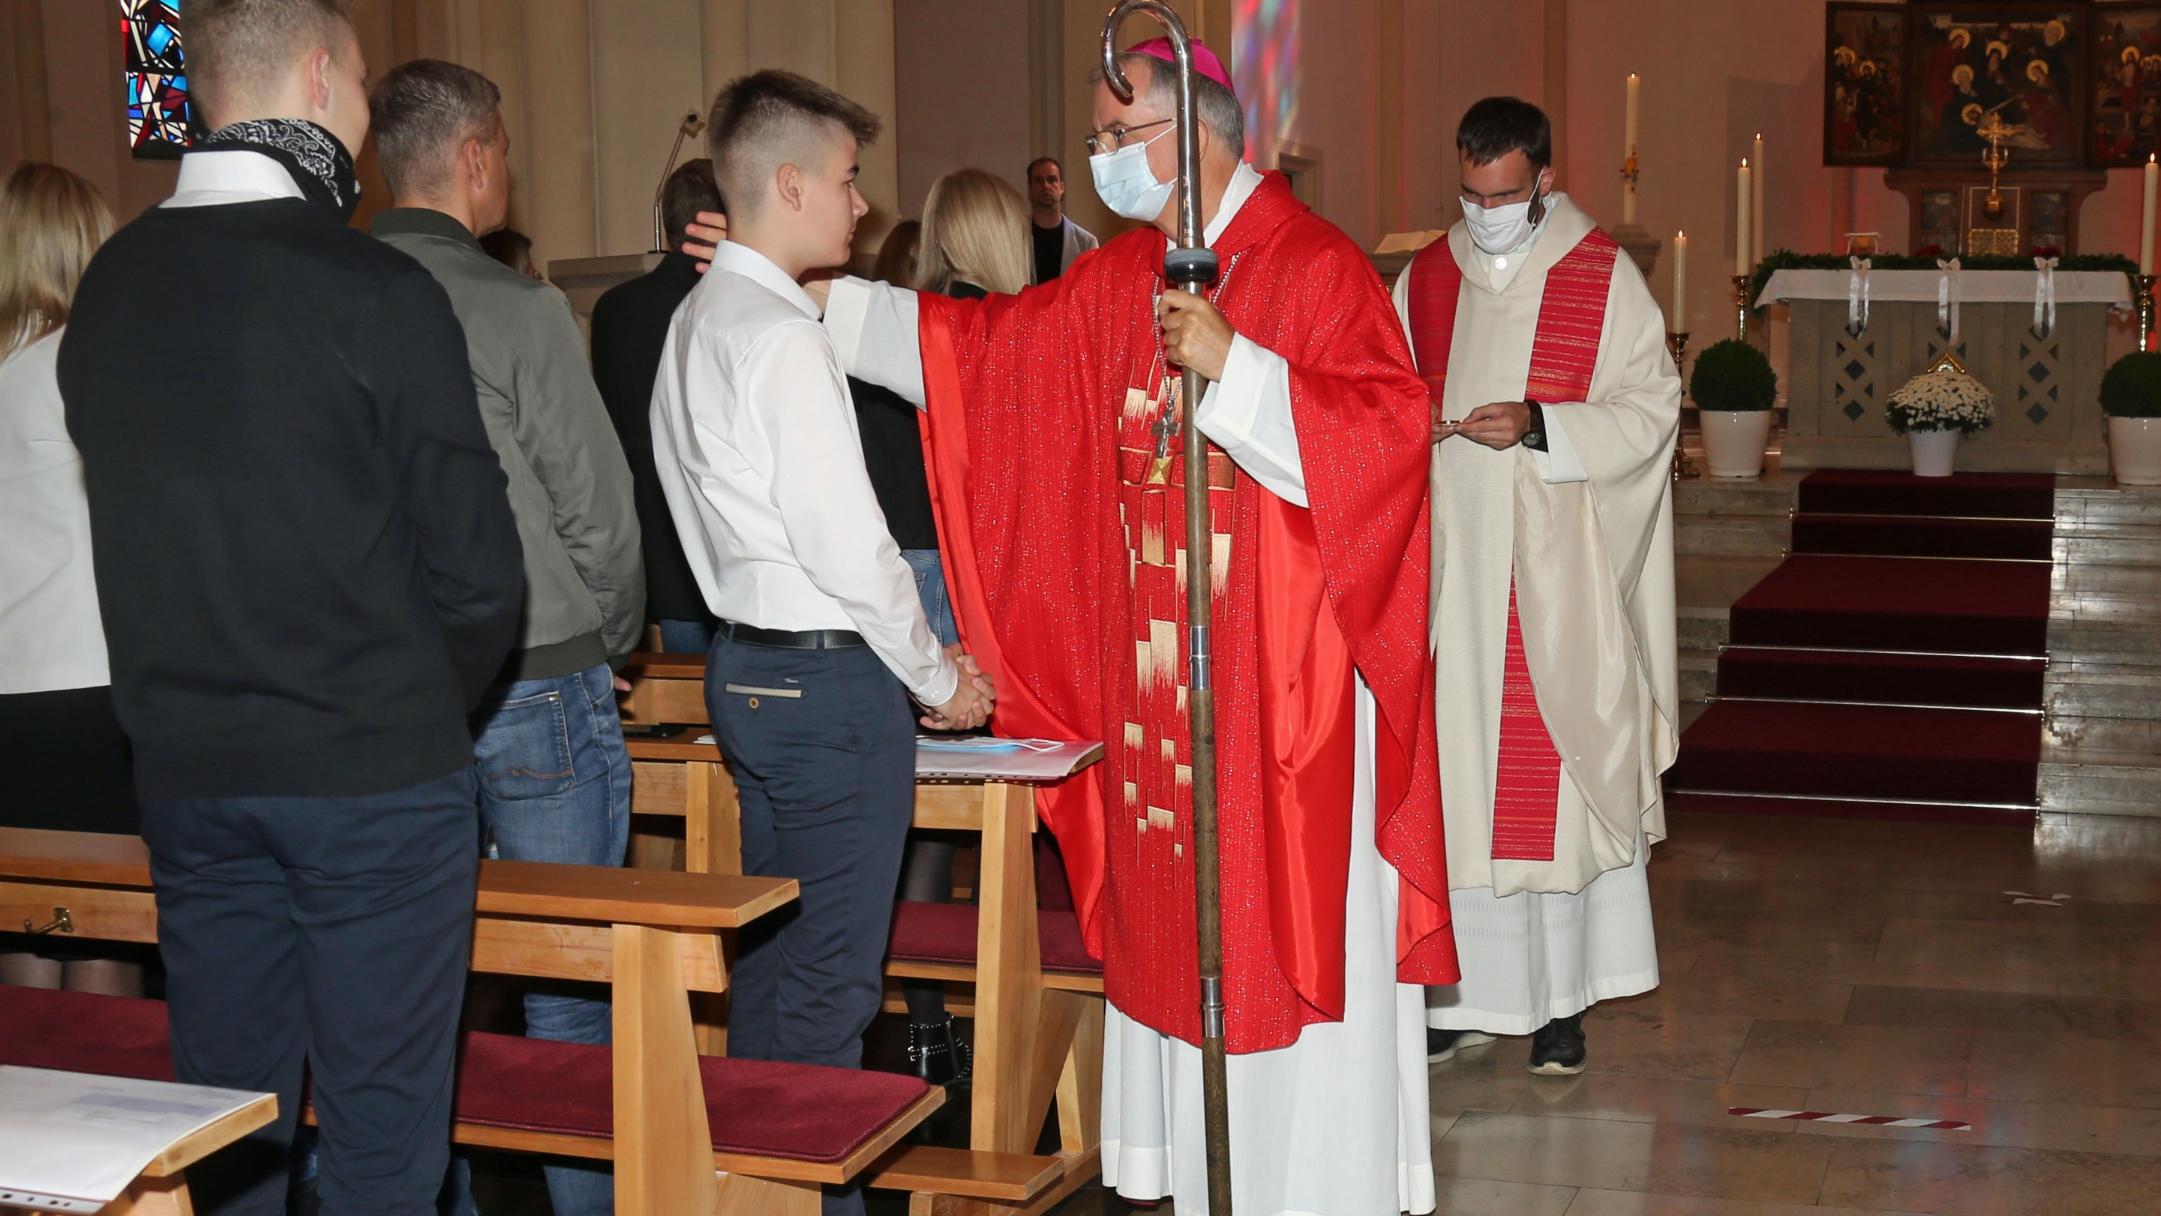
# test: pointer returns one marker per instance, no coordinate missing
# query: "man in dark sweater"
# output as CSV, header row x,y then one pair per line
x,y
308,574
630,325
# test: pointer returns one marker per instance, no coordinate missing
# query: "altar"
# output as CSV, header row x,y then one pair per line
x,y
1848,354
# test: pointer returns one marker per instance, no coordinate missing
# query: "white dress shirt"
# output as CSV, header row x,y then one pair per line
x,y
230,175
50,635
756,448
1247,413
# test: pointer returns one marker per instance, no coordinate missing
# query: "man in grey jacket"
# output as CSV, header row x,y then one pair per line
x,y
554,777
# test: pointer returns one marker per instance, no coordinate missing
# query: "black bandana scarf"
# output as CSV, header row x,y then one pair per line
x,y
318,162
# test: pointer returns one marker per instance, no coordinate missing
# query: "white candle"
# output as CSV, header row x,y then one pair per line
x,y
1742,213
2146,216
1628,148
1677,315
1755,195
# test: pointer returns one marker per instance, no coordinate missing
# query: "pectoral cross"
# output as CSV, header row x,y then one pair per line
x,y
1165,429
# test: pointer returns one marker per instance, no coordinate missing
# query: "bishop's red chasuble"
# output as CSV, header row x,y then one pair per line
x,y
1063,530
1571,319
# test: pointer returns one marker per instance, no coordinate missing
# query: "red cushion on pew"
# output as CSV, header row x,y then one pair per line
x,y
945,933
113,1036
801,1112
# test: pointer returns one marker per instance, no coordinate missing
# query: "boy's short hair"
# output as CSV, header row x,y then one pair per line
x,y
1497,126
689,190
768,119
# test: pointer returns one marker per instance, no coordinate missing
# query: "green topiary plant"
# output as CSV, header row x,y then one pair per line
x,y
1732,375
2132,387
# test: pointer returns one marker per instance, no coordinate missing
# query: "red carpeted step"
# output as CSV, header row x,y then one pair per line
x,y
1894,603
1923,536
1826,808
1861,751
1885,492
1903,679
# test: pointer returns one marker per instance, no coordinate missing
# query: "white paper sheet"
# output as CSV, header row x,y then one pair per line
x,y
1032,760
72,1142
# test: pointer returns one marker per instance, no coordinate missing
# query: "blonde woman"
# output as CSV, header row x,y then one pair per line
x,y
975,237
66,760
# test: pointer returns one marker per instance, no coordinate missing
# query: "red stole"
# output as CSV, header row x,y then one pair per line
x,y
1571,318
1064,557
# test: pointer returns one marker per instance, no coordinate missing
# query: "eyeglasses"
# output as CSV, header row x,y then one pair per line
x,y
1113,137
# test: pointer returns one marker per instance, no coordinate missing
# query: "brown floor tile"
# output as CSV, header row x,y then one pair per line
x,y
2059,944
1636,1203
1612,1155
2119,980
1729,961
2060,1068
1484,1197
2085,1017
1818,1055
1655,1100
1487,1078
1650,1042
2080,1129
1793,998
1985,1181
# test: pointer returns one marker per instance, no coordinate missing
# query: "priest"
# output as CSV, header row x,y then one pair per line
x,y
1052,428
1553,609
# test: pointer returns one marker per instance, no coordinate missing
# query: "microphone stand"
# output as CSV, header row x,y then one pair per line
x,y
692,124
1192,266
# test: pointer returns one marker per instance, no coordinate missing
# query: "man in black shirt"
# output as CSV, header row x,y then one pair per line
x,y
630,325
308,574
1057,240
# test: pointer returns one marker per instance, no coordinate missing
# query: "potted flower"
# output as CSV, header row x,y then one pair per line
x,y
2131,393
1734,388
1933,410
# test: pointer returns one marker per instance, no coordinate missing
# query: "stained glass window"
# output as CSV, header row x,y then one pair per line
x,y
160,114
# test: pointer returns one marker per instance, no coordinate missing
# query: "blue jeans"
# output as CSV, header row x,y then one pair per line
x,y
930,587
686,637
555,786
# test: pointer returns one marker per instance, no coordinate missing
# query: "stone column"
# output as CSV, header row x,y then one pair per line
x,y
559,188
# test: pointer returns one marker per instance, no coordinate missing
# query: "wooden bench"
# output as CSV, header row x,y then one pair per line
x,y
1038,1028
655,937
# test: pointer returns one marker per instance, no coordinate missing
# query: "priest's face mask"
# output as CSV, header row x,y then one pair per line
x,y
1135,168
1504,200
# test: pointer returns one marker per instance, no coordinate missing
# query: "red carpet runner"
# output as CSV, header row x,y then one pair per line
x,y
1891,667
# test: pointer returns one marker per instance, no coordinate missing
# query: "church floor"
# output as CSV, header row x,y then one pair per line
x,y
1840,966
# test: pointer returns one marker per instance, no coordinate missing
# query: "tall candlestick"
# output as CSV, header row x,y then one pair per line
x,y
1677,320
1743,211
1756,193
2146,216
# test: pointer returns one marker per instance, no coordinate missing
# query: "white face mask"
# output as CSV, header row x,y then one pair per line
x,y
1498,230
1127,185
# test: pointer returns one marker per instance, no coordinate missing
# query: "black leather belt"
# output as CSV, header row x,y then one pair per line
x,y
792,639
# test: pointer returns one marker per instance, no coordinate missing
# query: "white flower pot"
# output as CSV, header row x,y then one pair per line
x,y
1733,441
1935,453
2134,451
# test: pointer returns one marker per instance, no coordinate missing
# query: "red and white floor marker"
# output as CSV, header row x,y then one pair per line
x,y
2028,897
1819,1116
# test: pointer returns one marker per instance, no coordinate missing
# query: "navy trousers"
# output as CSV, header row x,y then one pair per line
x,y
822,744
330,933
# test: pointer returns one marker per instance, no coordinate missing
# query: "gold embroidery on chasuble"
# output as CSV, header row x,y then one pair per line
x,y
1157,752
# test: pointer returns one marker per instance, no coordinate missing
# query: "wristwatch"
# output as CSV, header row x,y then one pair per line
x,y
1534,437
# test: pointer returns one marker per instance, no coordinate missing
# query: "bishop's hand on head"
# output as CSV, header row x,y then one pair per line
x,y
705,236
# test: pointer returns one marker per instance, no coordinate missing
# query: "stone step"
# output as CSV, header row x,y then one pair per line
x,y
1769,495
2101,691
1732,535
2101,766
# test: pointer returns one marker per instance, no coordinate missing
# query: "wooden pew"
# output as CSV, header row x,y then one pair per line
x,y
1038,1033
655,937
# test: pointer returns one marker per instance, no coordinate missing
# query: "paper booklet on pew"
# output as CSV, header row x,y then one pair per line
x,y
72,1142
982,758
